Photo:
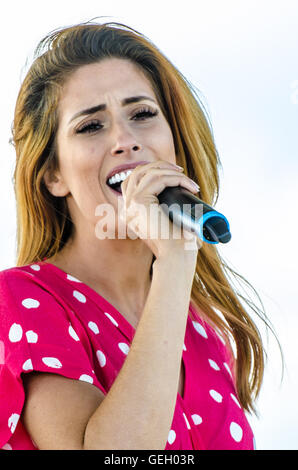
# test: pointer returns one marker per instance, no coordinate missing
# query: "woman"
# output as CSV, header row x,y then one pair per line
x,y
117,342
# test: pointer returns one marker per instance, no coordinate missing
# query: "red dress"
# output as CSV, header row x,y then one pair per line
x,y
53,322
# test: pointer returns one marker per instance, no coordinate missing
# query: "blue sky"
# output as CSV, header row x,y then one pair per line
x,y
242,57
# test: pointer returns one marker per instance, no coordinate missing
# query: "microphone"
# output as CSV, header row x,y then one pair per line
x,y
187,210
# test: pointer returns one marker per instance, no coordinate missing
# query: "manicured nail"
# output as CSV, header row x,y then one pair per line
x,y
178,167
195,185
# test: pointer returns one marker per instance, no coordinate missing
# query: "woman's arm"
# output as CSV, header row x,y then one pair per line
x,y
137,411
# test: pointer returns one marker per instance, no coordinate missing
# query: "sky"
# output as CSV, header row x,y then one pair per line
x,y
241,57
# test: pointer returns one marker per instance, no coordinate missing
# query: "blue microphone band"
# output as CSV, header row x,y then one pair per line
x,y
216,225
188,211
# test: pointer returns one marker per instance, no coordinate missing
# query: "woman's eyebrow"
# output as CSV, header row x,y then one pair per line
x,y
102,107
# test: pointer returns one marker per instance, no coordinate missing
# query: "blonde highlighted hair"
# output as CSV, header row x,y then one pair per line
x,y
43,221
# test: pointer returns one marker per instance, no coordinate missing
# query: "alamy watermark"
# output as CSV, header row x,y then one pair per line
x,y
144,223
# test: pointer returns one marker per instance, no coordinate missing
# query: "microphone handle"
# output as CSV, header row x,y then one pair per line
x,y
187,210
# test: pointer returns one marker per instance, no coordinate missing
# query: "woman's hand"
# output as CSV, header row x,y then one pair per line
x,y
143,215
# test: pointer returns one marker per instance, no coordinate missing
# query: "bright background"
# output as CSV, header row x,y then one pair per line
x,y
242,57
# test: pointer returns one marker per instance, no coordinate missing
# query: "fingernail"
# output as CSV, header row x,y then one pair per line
x,y
195,185
177,166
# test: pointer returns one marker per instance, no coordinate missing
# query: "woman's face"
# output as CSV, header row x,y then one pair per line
x,y
101,126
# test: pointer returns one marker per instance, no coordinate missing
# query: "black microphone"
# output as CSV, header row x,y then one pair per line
x,y
188,211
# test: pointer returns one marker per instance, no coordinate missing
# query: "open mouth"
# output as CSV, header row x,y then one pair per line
x,y
116,187
116,180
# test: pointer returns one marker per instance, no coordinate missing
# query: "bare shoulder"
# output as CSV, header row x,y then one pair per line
x,y
57,409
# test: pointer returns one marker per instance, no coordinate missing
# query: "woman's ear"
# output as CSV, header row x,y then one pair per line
x,y
55,183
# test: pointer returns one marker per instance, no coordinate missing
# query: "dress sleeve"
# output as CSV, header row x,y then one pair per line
x,y
38,332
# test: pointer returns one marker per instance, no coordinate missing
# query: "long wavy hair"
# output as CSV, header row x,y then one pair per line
x,y
43,221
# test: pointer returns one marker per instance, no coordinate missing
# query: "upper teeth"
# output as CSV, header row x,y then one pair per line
x,y
119,177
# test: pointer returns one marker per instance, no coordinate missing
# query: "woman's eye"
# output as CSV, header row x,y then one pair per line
x,y
144,114
89,127
94,126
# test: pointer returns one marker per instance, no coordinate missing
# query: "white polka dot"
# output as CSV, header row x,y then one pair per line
x,y
72,333
35,267
79,296
236,431
228,369
93,327
184,347
28,365
72,278
196,419
171,436
200,329
15,333
220,337
235,400
213,364
13,421
111,318
216,396
86,378
30,303
31,336
52,362
7,447
186,420
101,358
124,347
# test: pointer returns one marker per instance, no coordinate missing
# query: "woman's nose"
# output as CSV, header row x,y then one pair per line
x,y
124,141
125,149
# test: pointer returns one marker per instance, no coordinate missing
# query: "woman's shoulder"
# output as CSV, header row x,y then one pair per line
x,y
31,276
18,273
16,281
11,281
26,291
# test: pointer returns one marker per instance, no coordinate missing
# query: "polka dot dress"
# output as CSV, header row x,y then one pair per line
x,y
52,322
